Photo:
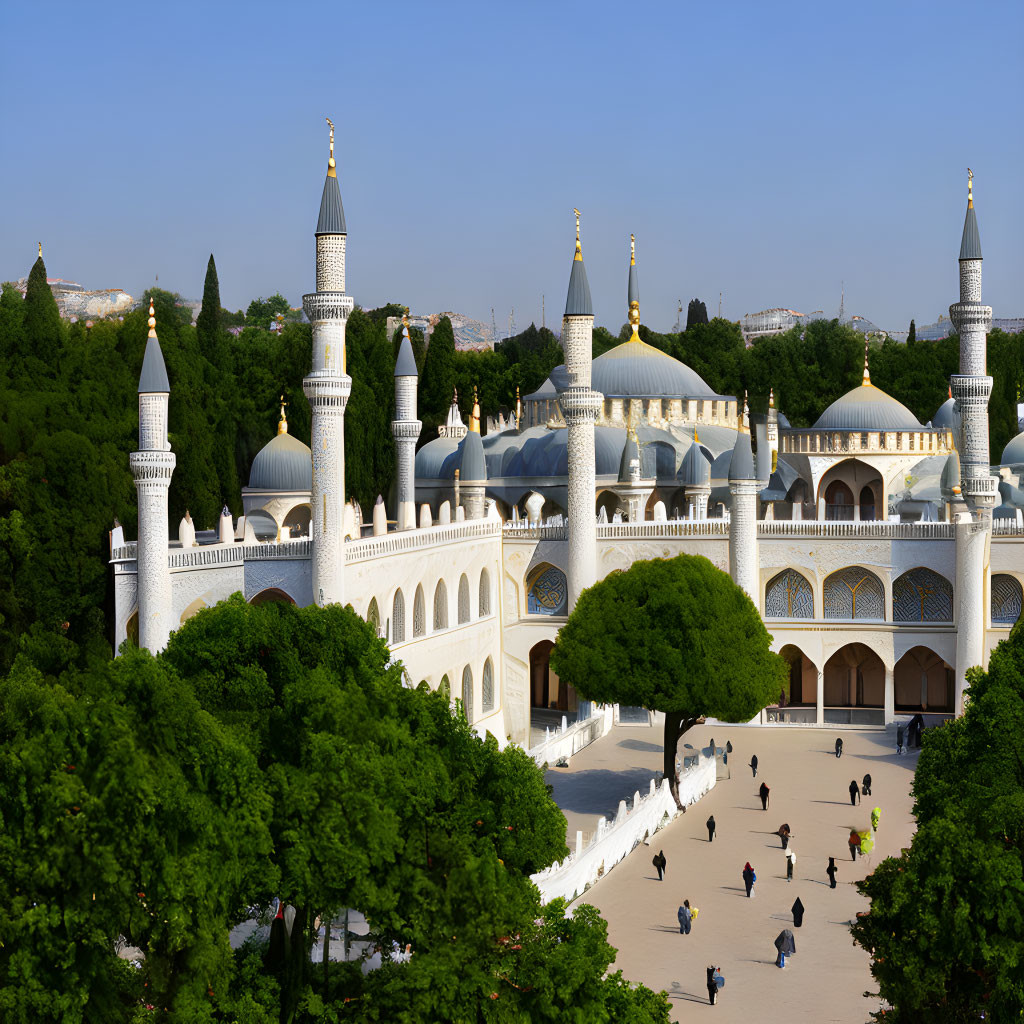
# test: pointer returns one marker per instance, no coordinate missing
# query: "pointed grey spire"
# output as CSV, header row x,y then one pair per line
x,y
405,365
153,379
577,302
970,243
741,467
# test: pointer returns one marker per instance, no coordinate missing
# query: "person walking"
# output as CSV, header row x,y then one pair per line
x,y
831,872
784,835
749,878
854,842
839,746
659,862
786,945
712,985
711,828
899,739
790,865
753,765
764,796
866,785
854,793
798,913
876,817
685,916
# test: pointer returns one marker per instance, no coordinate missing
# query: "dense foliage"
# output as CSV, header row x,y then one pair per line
x,y
673,635
272,751
946,925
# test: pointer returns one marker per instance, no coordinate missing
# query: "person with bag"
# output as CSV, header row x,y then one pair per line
x,y
785,835
866,786
685,916
712,985
749,878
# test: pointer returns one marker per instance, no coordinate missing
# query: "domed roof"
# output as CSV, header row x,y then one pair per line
x,y
636,369
867,408
741,466
285,464
1013,453
943,417
471,463
694,470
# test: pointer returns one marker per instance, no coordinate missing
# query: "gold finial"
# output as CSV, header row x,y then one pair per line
x,y
632,250
282,424
474,418
331,172
866,382
745,418
519,408
40,250
970,188
771,398
696,436
152,320
579,248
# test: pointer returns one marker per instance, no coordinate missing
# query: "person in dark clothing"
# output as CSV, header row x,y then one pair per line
x,y
749,878
685,916
659,862
712,986
711,828
728,746
831,872
782,698
784,835
866,786
899,739
854,792
854,842
753,765
763,792
790,865
917,727
798,913
839,746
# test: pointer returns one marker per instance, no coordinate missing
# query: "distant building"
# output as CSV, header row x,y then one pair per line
x,y
773,321
943,327
470,335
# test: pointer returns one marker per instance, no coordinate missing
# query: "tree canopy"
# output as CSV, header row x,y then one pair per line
x,y
673,635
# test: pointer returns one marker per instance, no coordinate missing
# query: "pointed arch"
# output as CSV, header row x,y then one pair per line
x,y
467,693
463,610
487,688
440,606
1007,598
854,593
197,605
373,615
419,613
484,607
788,596
922,595
270,595
547,591
398,617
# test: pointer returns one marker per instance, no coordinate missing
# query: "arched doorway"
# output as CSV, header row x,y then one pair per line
x,y
611,503
838,501
197,605
298,521
802,686
546,689
854,678
852,489
922,681
271,595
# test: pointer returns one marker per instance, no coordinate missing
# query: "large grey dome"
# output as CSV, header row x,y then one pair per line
x,y
635,369
944,415
285,464
867,408
1013,453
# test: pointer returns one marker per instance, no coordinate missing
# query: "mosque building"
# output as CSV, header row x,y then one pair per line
x,y
886,556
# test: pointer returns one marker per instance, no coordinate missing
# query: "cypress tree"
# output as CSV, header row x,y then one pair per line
x,y
696,313
438,372
43,332
208,322
912,333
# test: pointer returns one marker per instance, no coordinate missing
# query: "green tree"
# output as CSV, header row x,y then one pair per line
x,y
262,312
696,313
438,381
673,635
912,333
208,324
43,330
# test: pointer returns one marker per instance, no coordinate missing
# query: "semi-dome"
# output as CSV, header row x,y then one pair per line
x,y
694,470
867,408
635,369
285,464
943,418
1013,453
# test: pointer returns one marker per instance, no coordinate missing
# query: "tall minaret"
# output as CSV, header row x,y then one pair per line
x,y
743,491
580,406
152,466
327,387
405,428
971,389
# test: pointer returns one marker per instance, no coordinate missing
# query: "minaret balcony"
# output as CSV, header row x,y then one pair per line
x,y
409,429
327,306
968,315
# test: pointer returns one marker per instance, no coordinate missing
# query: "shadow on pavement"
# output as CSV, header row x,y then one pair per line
x,y
656,748
598,790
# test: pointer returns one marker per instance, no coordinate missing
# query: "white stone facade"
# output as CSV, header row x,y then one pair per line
x,y
743,561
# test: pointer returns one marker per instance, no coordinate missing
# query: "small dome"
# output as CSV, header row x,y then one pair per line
x,y
285,464
1013,453
943,418
741,466
694,470
472,465
636,369
867,408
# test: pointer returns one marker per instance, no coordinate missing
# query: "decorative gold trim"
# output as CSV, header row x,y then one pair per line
x,y
579,248
282,424
331,172
866,382
152,320
970,190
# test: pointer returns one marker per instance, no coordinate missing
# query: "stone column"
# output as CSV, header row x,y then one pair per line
x,y
819,710
890,695
152,473
581,406
972,550
743,558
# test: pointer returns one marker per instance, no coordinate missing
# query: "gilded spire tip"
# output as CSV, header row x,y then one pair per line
x,y
152,320
282,423
40,250
970,189
867,375
771,398
579,248
632,250
331,171
474,419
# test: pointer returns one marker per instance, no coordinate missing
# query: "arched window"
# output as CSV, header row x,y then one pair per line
x,y
854,593
867,502
463,599
419,614
485,593
921,595
398,618
373,615
838,501
467,693
547,592
440,606
487,698
788,596
1006,600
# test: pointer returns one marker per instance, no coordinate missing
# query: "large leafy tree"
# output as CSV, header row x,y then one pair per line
x,y
946,925
673,635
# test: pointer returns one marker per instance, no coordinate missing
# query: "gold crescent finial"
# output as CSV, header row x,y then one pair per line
x,y
867,376
970,188
579,249
282,424
40,250
152,320
632,250
771,398
330,162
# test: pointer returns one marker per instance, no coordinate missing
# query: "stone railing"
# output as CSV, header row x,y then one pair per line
x,y
570,739
860,530
615,839
659,530
415,540
516,531
1007,528
232,554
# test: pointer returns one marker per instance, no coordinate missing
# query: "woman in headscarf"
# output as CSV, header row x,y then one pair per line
x,y
798,913
749,878
685,916
786,945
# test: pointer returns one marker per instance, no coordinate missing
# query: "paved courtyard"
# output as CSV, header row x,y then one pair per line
x,y
825,981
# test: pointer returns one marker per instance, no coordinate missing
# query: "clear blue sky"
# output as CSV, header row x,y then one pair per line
x,y
764,150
